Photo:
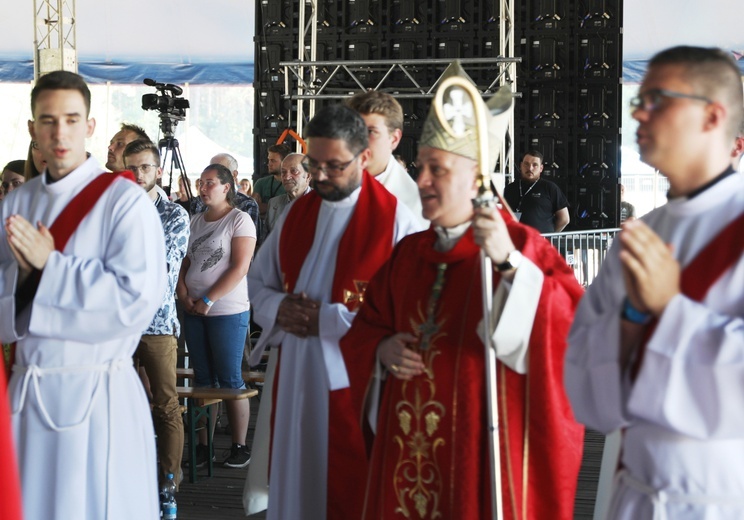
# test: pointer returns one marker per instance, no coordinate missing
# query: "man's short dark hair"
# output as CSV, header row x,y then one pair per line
x,y
534,153
713,73
16,166
139,146
141,134
376,102
340,122
61,80
281,149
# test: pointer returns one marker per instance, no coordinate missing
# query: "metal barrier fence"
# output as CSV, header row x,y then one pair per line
x,y
583,251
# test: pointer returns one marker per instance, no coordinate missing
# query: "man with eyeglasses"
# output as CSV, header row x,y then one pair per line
x,y
655,350
307,283
157,349
296,182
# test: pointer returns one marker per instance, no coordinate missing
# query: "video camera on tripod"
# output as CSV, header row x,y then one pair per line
x,y
172,109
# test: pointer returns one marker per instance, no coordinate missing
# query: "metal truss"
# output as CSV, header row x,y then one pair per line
x,y
364,76
307,80
54,36
506,48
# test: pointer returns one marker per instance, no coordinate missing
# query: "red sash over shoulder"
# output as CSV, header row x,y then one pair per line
x,y
62,229
76,210
717,257
364,247
68,221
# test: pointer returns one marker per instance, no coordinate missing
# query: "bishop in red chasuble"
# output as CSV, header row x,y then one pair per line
x,y
416,359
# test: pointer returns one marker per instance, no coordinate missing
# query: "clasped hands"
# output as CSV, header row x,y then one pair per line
x,y
194,306
299,315
650,271
31,246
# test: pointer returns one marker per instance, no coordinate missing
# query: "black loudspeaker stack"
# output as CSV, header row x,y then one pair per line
x,y
367,30
570,111
569,78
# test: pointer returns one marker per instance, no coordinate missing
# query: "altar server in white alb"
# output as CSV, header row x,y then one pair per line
x,y
76,309
657,347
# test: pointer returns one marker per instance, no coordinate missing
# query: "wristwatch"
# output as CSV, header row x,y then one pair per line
x,y
512,261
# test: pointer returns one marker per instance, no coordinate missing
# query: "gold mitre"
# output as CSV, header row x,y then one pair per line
x,y
459,114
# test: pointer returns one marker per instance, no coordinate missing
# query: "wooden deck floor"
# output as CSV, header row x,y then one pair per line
x,y
221,497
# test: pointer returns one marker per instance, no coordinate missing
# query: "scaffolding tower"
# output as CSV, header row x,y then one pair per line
x,y
54,36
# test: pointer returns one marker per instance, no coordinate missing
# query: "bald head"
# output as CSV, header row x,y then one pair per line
x,y
228,161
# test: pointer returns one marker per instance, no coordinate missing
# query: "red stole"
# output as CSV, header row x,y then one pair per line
x,y
717,257
62,229
364,247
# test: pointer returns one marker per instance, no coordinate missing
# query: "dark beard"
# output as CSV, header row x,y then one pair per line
x,y
336,193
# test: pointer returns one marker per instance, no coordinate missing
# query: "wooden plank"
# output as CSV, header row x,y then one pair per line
x,y
216,393
249,376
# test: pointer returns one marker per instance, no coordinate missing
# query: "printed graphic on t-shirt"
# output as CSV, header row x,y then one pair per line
x,y
214,258
199,241
201,249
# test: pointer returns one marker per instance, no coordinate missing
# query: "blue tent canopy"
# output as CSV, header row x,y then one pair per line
x,y
212,42
188,41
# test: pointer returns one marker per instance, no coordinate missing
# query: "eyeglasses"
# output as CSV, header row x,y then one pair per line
x,y
144,168
651,99
332,170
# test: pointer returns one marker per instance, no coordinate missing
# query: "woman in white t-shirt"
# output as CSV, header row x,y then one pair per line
x,y
213,289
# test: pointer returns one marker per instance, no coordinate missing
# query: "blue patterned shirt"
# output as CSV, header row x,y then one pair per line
x,y
176,228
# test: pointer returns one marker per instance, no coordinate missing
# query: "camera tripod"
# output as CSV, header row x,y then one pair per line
x,y
170,155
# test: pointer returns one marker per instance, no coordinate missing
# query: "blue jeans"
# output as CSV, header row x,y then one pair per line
x,y
215,345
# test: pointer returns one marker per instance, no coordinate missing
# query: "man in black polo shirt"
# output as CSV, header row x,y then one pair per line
x,y
537,202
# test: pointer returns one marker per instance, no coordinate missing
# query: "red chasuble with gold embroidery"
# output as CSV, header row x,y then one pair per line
x,y
430,454
364,247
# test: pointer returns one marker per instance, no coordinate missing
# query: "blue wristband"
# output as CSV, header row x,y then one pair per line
x,y
633,315
207,301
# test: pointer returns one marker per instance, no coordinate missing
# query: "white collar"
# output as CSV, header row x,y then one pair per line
x,y
448,237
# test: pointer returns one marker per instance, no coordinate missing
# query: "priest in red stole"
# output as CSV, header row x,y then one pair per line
x,y
416,356
306,285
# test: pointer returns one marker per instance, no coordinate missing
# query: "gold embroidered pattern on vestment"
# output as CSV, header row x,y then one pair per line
x,y
417,479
